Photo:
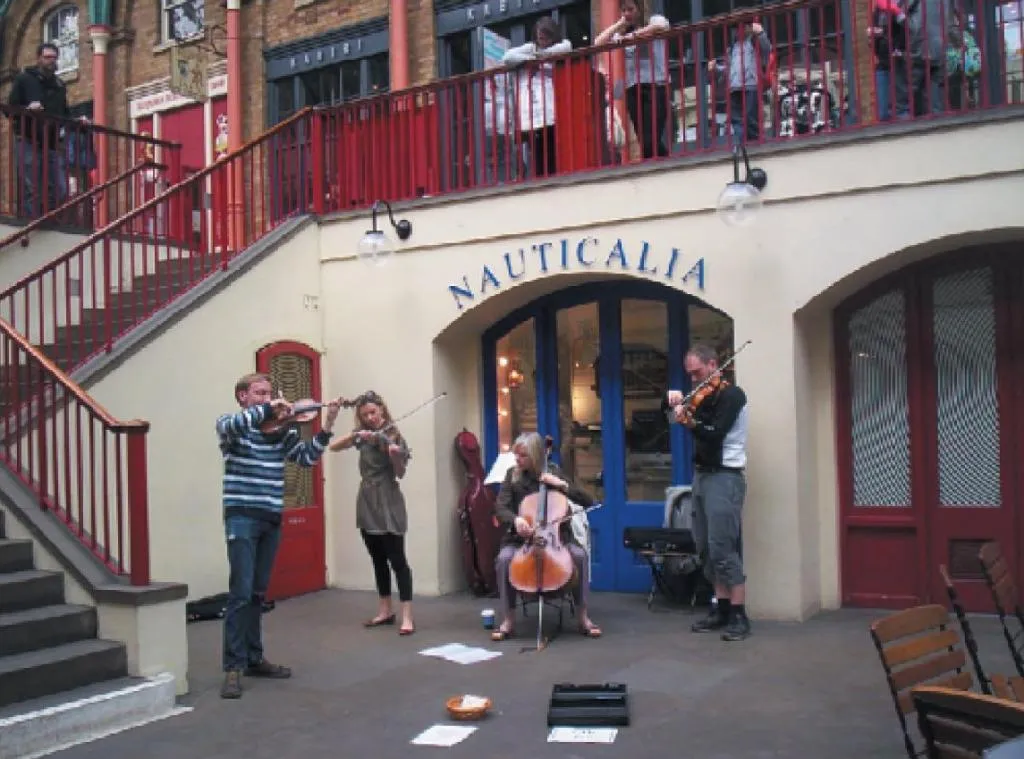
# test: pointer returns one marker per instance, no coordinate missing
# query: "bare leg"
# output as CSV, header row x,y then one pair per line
x,y
582,593
506,592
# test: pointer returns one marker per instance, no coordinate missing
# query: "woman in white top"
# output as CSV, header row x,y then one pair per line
x,y
648,95
537,92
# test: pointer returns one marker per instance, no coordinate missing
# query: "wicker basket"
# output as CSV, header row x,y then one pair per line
x,y
467,713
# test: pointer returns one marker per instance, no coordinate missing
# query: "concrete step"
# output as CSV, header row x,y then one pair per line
x,y
35,629
38,727
29,589
15,555
35,674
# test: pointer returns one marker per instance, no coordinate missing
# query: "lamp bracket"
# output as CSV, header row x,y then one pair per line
x,y
402,227
756,177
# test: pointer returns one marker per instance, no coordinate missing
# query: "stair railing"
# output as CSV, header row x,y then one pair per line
x,y
76,306
81,205
84,466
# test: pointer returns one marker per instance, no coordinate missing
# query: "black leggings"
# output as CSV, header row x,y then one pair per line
x,y
386,549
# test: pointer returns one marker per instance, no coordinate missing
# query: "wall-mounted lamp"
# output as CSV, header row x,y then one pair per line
x,y
376,247
740,201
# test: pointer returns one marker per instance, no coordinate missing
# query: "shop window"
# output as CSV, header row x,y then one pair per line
x,y
579,402
182,20
516,356
60,28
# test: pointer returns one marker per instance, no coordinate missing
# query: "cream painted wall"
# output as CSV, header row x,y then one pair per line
x,y
44,246
834,217
184,379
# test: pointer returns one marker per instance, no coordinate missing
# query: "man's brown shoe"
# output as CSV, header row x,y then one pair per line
x,y
266,669
232,687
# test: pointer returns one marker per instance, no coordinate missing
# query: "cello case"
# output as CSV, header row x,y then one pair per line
x,y
481,535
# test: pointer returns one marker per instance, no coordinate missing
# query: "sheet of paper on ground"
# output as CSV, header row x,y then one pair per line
x,y
582,735
460,654
443,735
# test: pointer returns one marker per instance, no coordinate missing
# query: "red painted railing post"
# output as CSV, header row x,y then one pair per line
x,y
138,503
317,164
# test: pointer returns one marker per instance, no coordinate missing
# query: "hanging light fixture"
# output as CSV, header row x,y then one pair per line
x,y
739,202
376,247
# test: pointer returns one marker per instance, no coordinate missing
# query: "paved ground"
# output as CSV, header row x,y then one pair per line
x,y
792,690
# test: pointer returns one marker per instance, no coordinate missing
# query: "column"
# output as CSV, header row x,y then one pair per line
x,y
398,44
100,36
236,180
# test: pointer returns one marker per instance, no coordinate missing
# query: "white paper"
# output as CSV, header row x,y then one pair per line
x,y
460,654
473,702
443,735
583,735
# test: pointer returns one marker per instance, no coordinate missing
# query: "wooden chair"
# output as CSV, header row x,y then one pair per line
x,y
916,645
965,628
1006,598
962,725
1009,687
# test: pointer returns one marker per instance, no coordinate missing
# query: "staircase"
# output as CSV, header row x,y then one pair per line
x,y
46,645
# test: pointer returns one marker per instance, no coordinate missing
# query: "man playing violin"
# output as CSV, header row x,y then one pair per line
x,y
253,500
717,418
522,480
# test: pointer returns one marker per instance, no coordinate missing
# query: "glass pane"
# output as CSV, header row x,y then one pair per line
x,y
576,20
880,428
964,328
579,404
293,376
351,80
644,381
715,329
285,98
516,355
311,91
379,74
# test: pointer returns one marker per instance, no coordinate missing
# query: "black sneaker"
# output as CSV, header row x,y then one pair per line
x,y
713,621
266,669
232,687
737,629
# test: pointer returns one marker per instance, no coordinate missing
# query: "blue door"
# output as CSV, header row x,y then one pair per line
x,y
590,366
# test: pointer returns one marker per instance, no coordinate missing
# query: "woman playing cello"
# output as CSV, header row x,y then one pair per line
x,y
380,506
522,480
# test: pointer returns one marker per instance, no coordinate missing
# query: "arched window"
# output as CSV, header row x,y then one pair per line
x,y
182,20
60,28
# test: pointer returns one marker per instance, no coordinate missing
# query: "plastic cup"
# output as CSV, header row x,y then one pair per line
x,y
487,617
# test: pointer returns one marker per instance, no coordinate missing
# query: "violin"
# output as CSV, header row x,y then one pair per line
x,y
303,411
543,563
709,387
383,441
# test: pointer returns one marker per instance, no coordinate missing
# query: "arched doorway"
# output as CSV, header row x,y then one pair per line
x,y
930,411
589,366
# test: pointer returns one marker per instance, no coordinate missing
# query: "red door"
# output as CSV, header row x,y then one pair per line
x,y
930,409
967,441
301,562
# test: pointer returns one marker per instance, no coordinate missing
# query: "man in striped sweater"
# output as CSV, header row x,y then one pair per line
x,y
253,501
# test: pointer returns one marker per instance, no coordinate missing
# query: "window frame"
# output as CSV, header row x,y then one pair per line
x,y
55,14
165,8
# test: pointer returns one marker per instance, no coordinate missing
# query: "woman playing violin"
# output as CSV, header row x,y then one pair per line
x,y
380,506
522,480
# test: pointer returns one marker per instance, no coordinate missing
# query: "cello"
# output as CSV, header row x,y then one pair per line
x,y
543,564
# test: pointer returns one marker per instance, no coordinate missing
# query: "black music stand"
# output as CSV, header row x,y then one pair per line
x,y
656,561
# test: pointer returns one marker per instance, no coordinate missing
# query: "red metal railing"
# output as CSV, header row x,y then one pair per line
x,y
117,193
85,467
78,305
573,113
46,161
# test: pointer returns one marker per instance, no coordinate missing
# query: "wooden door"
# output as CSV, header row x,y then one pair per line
x,y
967,436
301,559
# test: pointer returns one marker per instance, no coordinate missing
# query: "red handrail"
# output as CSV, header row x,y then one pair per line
x,y
93,479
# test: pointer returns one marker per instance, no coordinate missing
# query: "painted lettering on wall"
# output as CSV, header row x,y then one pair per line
x,y
584,254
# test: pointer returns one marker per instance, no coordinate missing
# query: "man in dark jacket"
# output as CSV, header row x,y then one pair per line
x,y
38,141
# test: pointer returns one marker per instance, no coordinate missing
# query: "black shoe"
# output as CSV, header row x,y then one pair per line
x,y
266,669
713,621
737,629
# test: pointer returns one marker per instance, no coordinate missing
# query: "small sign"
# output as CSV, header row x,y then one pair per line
x,y
188,73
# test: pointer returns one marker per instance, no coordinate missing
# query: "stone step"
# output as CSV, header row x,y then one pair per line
x,y
15,556
45,626
30,589
52,723
48,671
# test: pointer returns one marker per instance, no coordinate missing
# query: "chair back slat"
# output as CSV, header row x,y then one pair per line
x,y
929,668
1001,584
971,722
960,681
909,622
901,653
1008,687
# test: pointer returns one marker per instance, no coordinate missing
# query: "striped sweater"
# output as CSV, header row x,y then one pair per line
x,y
254,462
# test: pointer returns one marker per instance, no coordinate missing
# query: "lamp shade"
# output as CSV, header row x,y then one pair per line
x,y
375,248
738,204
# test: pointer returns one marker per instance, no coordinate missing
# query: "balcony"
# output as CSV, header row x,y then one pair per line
x,y
811,72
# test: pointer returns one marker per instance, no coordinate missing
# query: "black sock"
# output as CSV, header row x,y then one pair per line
x,y
739,612
724,604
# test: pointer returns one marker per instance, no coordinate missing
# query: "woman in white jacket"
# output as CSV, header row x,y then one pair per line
x,y
536,92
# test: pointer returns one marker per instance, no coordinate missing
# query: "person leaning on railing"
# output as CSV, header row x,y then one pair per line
x,y
537,92
647,80
37,140
888,37
746,69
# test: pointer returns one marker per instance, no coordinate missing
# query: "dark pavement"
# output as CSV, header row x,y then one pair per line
x,y
810,690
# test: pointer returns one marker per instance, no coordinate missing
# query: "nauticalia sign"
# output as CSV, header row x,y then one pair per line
x,y
586,254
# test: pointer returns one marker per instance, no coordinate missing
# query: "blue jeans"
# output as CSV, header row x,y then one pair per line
x,y
252,546
892,91
39,198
